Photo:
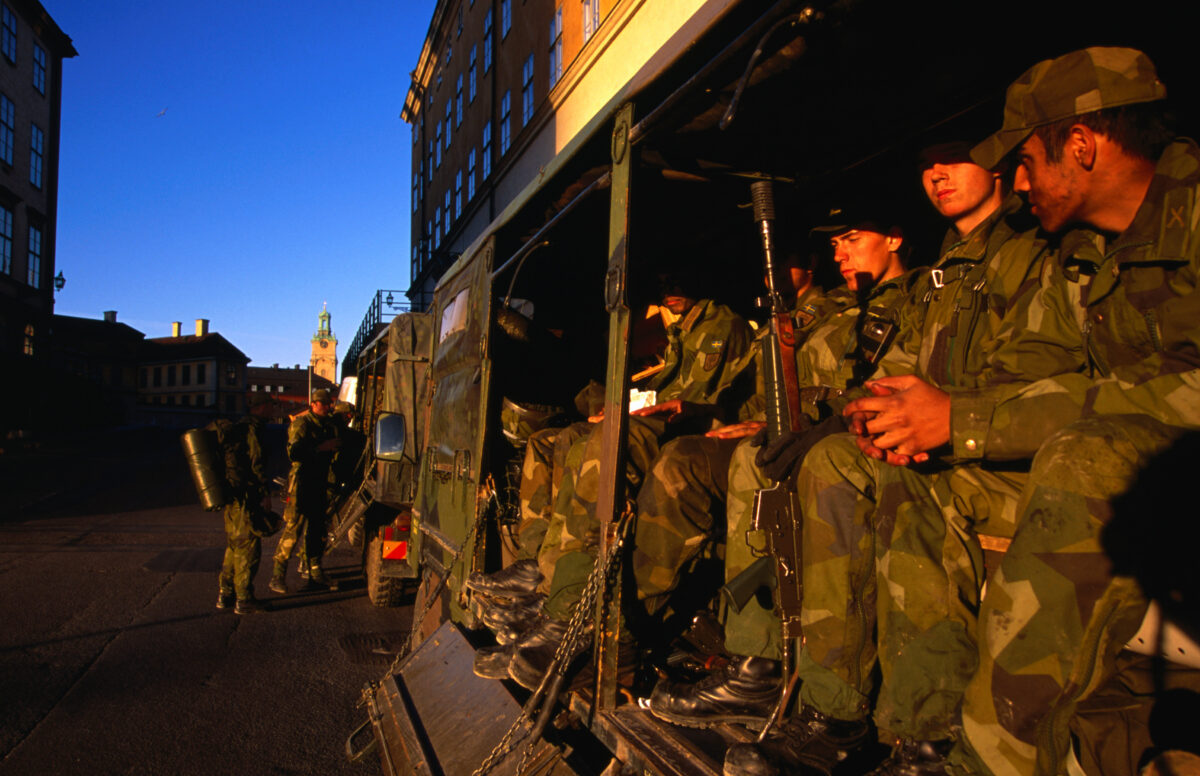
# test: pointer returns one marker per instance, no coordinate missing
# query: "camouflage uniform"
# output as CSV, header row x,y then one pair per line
x,y
1054,619
708,350
308,483
891,550
825,365
541,475
245,471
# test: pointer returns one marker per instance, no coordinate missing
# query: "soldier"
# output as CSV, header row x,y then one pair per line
x,y
703,379
1093,153
245,472
977,324
695,473
312,443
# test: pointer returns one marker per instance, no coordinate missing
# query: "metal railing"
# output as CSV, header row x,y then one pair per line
x,y
386,305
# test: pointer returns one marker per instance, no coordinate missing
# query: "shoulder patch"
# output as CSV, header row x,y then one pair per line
x,y
1176,223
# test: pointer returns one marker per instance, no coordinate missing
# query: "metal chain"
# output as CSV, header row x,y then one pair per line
x,y
572,643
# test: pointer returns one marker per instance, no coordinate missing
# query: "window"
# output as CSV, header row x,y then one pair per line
x,y
591,18
33,275
171,375
556,47
471,175
437,143
505,109
254,388
449,53
185,400
447,220
8,35
28,347
36,143
142,377
471,78
185,374
415,265
458,34
158,377
487,41
505,17
230,376
8,129
487,150
416,136
39,68
201,374
527,91
279,389
6,240
432,151
458,194
458,102
437,227
230,402
449,112
416,192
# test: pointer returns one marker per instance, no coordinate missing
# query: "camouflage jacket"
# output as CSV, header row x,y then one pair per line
x,y
982,321
305,434
707,350
1137,303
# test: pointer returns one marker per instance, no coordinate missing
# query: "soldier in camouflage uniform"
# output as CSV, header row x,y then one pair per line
x,y
245,472
312,442
883,541
1087,135
694,473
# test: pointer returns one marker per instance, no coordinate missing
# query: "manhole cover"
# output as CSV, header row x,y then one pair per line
x,y
368,648
207,560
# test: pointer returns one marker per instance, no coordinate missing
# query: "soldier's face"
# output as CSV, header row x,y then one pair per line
x,y
1054,189
321,408
959,188
864,250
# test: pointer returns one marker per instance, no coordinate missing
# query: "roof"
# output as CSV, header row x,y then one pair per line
x,y
93,328
211,345
44,26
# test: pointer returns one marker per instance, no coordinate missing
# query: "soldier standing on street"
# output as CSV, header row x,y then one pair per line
x,y
245,472
312,442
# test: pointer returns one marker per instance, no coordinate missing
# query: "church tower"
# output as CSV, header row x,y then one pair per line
x,y
324,349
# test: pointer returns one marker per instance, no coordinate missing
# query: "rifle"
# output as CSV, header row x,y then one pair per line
x,y
777,509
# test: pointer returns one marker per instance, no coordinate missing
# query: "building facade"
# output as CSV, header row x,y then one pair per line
x,y
32,49
324,361
97,364
184,375
276,393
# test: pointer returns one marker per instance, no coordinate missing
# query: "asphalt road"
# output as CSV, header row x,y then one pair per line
x,y
113,658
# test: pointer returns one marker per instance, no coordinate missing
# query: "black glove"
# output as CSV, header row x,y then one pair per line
x,y
780,459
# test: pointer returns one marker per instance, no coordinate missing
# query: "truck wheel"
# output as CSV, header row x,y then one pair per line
x,y
381,590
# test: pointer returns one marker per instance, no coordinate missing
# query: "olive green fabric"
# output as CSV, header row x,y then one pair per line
x,y
1092,433
308,482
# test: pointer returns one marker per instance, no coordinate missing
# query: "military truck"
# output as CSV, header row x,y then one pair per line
x,y
823,98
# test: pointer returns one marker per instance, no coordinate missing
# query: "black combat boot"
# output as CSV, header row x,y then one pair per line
x,y
745,691
509,620
807,743
916,758
492,662
224,599
517,579
534,655
248,606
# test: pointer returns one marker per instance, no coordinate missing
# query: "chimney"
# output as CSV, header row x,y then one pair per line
x,y
110,316
201,327
175,327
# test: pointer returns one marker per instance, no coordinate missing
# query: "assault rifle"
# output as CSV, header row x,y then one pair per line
x,y
777,509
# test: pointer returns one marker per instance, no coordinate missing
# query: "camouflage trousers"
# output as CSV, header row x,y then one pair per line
x,y
541,476
304,522
573,537
243,550
755,629
1054,618
892,552
680,517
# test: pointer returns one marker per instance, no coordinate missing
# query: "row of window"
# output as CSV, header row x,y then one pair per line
x,y
166,375
8,134
266,388
33,264
184,400
8,46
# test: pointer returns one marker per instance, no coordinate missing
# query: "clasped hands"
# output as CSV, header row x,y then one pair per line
x,y
903,419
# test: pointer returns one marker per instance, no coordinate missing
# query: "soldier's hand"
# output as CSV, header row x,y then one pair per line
x,y
740,430
907,417
675,410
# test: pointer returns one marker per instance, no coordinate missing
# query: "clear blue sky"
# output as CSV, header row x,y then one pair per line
x,y
276,180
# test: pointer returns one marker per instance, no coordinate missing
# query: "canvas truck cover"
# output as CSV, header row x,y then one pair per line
x,y
410,343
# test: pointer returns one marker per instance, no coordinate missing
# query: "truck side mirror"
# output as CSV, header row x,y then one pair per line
x,y
390,436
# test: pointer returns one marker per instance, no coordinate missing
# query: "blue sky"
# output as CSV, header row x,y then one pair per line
x,y
276,180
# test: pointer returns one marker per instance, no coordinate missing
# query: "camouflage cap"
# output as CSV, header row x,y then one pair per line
x,y
320,394
1071,85
869,214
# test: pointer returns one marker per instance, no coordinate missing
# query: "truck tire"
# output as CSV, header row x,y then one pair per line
x,y
381,590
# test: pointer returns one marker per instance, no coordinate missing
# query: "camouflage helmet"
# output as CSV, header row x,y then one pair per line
x,y
520,419
1071,85
320,394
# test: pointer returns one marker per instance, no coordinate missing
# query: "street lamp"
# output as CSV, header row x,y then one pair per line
x,y
389,299
59,281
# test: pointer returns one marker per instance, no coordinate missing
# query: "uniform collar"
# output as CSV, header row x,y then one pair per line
x,y
974,246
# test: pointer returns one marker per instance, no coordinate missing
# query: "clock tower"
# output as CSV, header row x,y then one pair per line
x,y
324,349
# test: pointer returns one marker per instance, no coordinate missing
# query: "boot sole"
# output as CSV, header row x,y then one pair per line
x,y
706,723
